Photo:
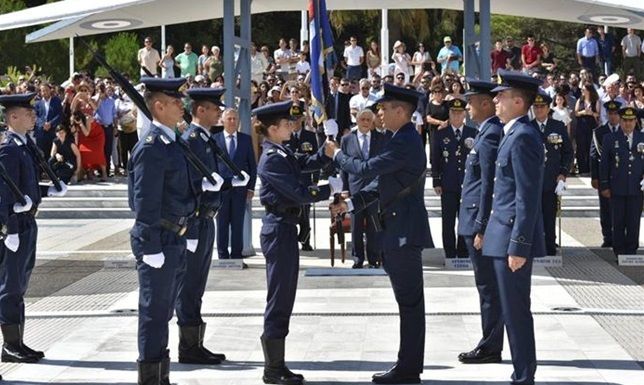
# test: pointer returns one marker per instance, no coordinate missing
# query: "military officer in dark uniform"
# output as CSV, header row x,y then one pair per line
x,y
399,191
283,195
476,204
558,156
450,147
514,234
304,143
18,251
612,126
200,236
163,195
621,173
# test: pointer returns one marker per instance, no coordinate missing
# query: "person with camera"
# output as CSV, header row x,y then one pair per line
x,y
65,157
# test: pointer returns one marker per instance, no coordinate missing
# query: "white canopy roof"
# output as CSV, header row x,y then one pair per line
x,y
82,17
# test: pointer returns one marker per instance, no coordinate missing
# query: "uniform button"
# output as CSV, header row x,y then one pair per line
x,y
494,179
393,214
492,196
473,204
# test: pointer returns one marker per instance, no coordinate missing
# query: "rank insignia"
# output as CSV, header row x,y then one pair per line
x,y
193,135
446,140
149,139
282,153
306,147
446,154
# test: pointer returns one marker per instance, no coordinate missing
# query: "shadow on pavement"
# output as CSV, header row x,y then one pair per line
x,y
594,364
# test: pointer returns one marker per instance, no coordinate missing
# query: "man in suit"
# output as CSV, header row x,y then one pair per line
x,y
400,170
476,204
363,143
304,143
49,112
514,234
449,150
230,219
621,173
558,159
342,106
611,127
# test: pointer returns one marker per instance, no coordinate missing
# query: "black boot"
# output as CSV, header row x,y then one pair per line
x,y
190,351
165,371
12,349
36,353
275,371
202,333
150,373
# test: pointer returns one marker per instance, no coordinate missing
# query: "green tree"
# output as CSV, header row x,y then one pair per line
x,y
120,53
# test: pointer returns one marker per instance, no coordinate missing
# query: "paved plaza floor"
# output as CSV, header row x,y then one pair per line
x,y
83,298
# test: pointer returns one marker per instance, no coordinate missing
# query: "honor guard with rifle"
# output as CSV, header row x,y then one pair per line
x,y
400,169
612,126
283,194
200,236
163,193
558,159
23,163
621,179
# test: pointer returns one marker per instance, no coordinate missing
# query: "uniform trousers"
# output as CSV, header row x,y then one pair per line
x,y
157,295
304,236
626,212
549,210
362,224
280,248
450,204
193,284
15,271
230,223
491,314
605,218
405,270
514,292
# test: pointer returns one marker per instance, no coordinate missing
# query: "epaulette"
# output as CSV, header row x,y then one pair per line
x,y
165,140
149,139
276,151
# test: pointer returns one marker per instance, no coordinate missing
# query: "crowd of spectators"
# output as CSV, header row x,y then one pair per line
x,y
88,127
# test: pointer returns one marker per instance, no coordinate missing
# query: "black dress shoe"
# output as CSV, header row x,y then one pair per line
x,y
307,247
393,376
607,244
478,356
244,265
357,265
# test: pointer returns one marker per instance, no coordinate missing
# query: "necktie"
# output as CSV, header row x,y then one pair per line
x,y
630,141
365,146
232,147
458,135
543,127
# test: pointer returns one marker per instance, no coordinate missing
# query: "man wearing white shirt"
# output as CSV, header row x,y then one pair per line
x,y
361,100
354,57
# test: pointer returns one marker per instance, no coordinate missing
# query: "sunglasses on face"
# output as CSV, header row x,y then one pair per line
x,y
345,84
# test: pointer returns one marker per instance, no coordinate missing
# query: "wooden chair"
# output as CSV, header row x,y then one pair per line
x,y
346,228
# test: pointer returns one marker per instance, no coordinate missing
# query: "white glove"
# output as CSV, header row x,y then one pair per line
x,y
207,186
52,192
331,128
18,208
336,184
191,245
236,182
561,186
12,242
642,184
154,260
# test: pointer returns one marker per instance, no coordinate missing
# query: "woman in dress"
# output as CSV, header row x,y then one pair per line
x,y
561,112
373,59
167,63
437,112
91,137
587,113
214,64
422,61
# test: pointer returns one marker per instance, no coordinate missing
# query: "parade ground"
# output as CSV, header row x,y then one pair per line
x,y
82,301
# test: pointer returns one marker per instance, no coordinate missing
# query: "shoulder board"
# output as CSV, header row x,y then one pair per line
x,y
282,153
165,140
276,151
